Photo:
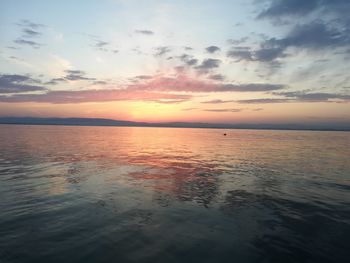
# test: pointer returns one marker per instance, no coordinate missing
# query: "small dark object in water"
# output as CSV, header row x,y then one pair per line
x,y
225,134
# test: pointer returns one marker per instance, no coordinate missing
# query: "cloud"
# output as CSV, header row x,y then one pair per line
x,y
208,64
55,81
170,101
100,82
183,83
316,35
192,62
21,41
263,101
101,44
30,33
314,25
241,55
269,54
72,75
218,77
160,89
75,71
299,96
143,77
15,58
29,30
76,75
188,109
237,41
216,101
292,8
212,49
144,32
223,110
27,23
18,84
321,25
102,95
188,59
254,87
315,96
264,54
278,8
160,51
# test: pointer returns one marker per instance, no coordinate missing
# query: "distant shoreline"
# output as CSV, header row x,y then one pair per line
x,y
117,123
180,127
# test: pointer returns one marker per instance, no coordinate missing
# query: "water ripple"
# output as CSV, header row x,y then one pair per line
x,y
104,194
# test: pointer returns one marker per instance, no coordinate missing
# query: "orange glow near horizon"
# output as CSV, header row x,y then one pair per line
x,y
181,112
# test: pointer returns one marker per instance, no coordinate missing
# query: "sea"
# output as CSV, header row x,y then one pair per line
x,y
140,194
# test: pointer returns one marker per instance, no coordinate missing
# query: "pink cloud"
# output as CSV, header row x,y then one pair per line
x,y
183,83
96,96
160,89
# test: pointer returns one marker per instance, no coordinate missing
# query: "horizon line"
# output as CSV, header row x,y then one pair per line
x,y
106,122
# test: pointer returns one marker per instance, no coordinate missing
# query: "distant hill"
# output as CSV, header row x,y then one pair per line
x,y
110,122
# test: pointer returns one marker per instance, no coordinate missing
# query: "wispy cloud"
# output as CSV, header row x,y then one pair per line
x,y
184,83
299,8
30,30
188,48
71,75
216,101
314,96
156,88
317,35
100,82
208,65
224,110
29,24
212,49
238,41
15,83
298,96
76,75
322,25
263,101
144,32
55,81
266,53
160,51
188,59
102,95
101,44
189,109
33,44
218,77
12,47
314,25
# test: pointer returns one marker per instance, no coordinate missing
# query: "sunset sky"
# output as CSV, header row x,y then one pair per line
x,y
272,61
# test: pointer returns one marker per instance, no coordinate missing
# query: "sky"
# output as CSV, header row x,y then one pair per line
x,y
237,61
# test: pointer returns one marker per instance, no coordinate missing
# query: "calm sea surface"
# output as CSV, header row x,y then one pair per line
x,y
121,194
